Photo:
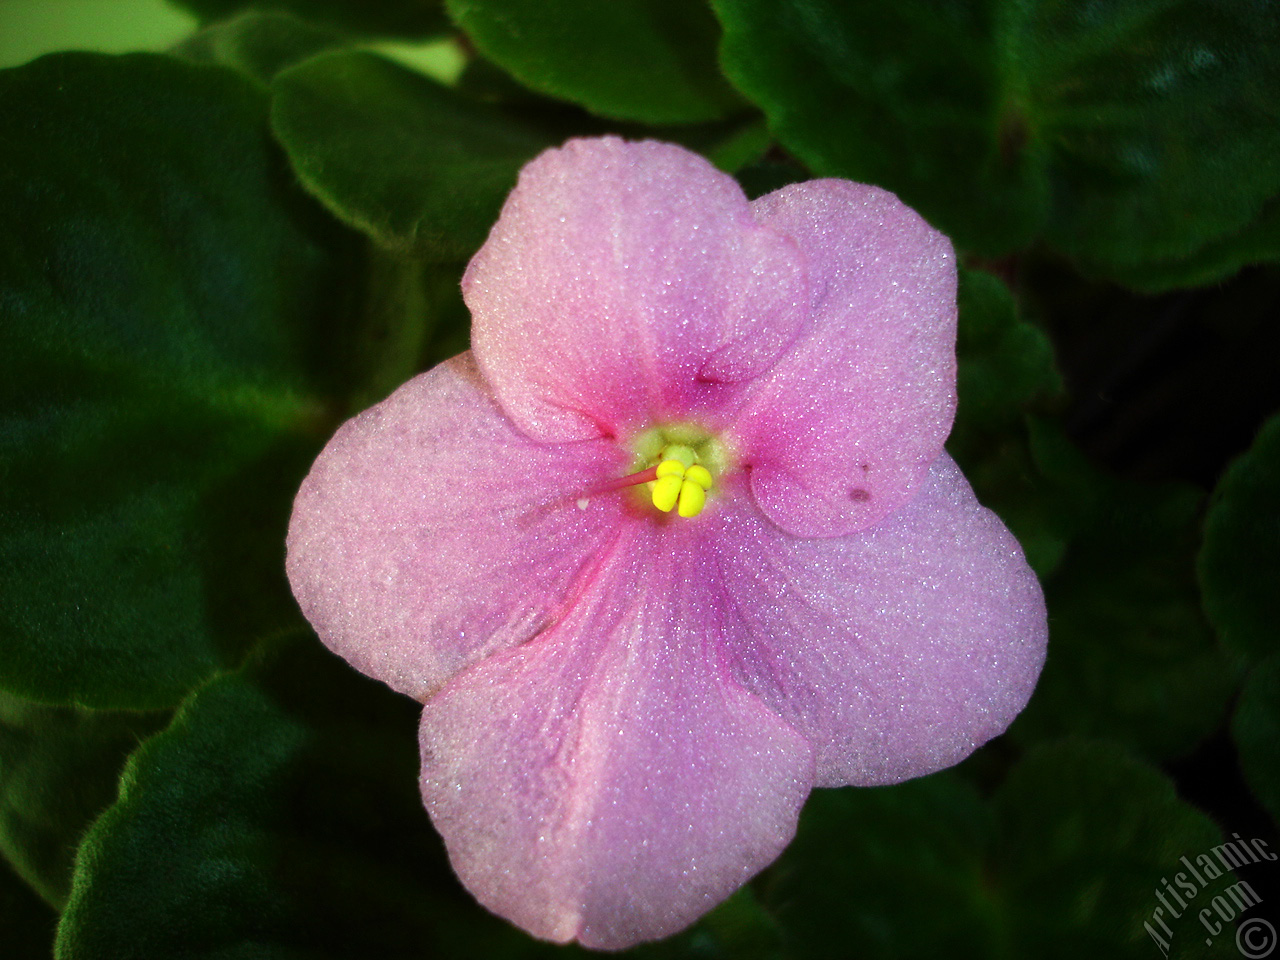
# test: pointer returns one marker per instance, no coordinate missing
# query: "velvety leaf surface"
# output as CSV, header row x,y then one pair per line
x,y
1239,565
407,18
1065,858
1124,133
1256,242
411,163
1005,369
1086,834
284,798
649,60
259,44
1256,729
865,860
1004,364
285,807
169,327
1130,655
413,319
59,768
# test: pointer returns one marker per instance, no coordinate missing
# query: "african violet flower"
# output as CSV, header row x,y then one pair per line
x,y
626,704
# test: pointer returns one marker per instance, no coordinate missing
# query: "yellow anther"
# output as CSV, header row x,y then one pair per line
x,y
678,483
666,490
670,468
698,474
693,496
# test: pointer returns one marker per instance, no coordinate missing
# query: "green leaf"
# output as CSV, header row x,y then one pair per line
x,y
863,862
258,44
414,319
1125,133
1239,565
59,769
389,18
1064,861
1256,730
414,165
170,341
900,94
647,60
1088,836
1130,654
1257,242
1005,369
283,803
1004,365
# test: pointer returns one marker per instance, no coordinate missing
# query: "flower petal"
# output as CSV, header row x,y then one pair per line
x,y
430,532
898,650
843,430
627,284
608,781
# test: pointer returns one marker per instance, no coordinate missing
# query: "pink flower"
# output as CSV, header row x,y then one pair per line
x,y
625,708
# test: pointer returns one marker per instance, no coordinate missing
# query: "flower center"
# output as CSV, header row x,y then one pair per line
x,y
678,465
680,483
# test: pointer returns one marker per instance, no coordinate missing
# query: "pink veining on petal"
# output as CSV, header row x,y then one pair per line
x,y
843,430
627,284
609,782
430,532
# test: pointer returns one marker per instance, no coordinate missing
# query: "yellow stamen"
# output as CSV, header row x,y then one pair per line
x,y
685,484
692,498
699,475
670,468
666,490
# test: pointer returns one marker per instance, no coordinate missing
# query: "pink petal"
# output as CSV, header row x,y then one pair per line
x,y
609,781
898,650
627,284
843,430
430,532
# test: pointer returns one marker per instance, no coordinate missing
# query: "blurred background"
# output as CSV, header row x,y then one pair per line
x,y
228,226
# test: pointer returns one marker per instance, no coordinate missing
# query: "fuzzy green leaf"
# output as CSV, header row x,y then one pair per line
x,y
171,334
416,166
648,60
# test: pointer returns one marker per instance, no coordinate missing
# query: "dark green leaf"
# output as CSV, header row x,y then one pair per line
x,y
899,94
391,18
1004,364
1240,564
1130,655
59,768
888,872
259,44
283,799
1007,479
408,161
648,60
1064,862
1127,133
1004,368
1088,835
1256,729
169,343
414,319
1257,242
